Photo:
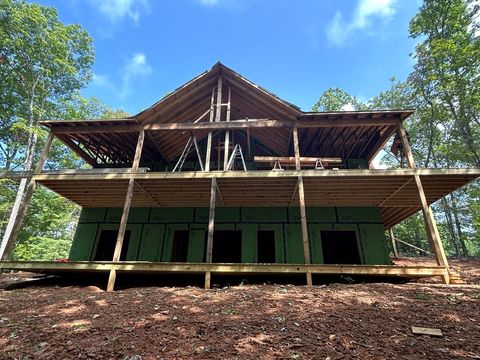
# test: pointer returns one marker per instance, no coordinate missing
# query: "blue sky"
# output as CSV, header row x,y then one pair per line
x,y
296,49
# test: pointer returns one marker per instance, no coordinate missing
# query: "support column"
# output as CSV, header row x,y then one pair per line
x,y
8,243
209,138
227,132
303,213
430,224
211,229
126,210
394,243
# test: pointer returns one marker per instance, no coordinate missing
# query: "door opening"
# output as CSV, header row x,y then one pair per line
x,y
180,246
106,245
266,246
340,247
227,246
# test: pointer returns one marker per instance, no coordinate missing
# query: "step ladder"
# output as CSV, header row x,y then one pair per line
x,y
192,141
237,154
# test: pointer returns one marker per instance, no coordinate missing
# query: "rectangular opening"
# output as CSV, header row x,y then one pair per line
x,y
180,246
227,246
266,246
106,245
340,247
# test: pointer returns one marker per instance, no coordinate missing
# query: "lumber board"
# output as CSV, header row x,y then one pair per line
x,y
426,331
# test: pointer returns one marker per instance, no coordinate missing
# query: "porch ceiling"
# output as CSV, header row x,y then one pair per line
x,y
395,195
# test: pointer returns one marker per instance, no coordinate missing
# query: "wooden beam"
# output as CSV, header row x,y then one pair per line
x,y
78,150
126,210
199,268
296,149
394,243
430,224
292,160
211,229
249,146
233,124
227,133
209,138
15,224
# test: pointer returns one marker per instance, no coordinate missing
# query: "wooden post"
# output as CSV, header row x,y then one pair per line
x,y
8,244
227,133
430,224
209,138
303,213
394,243
211,229
126,210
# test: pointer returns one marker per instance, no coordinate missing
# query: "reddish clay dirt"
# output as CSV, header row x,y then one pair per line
x,y
335,321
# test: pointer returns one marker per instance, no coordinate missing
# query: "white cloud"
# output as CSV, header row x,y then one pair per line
x,y
348,107
136,66
340,30
117,10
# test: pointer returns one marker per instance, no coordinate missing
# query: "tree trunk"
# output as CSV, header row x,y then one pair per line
x,y
461,239
451,229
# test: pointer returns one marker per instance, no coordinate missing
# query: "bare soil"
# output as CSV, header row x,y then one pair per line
x,y
332,321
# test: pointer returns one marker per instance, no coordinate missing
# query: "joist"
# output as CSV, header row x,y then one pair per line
x,y
290,160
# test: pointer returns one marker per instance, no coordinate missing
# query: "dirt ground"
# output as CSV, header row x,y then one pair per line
x,y
330,321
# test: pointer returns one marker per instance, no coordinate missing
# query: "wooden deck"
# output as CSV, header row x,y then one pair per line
x,y
51,267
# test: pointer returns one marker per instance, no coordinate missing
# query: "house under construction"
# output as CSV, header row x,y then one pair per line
x,y
222,176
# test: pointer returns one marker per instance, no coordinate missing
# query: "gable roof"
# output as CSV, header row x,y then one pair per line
x,y
192,101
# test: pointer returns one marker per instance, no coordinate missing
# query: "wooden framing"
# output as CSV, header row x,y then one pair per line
x,y
211,229
430,224
126,209
394,243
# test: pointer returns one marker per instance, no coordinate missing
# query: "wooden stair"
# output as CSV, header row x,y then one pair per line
x,y
455,277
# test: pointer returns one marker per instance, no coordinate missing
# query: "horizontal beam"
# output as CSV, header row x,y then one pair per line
x,y
233,124
138,266
291,159
470,172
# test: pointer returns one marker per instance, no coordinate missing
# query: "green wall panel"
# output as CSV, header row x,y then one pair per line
x,y
315,239
168,241
135,215
83,242
358,214
222,215
314,214
196,245
357,163
151,243
374,244
92,215
279,248
249,242
165,215
264,214
293,244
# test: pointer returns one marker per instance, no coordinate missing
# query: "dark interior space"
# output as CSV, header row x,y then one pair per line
x,y
340,247
227,246
106,245
180,246
266,246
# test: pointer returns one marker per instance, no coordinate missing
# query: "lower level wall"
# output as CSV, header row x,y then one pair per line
x,y
151,231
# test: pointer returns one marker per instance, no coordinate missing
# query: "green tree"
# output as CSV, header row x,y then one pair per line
x,y
42,61
336,99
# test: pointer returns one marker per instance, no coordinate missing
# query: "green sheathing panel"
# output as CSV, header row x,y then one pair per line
x,y
374,244
133,243
135,215
83,241
314,214
171,215
249,242
196,244
222,215
90,215
357,163
167,244
278,229
151,243
315,240
293,244
352,227
363,214
264,214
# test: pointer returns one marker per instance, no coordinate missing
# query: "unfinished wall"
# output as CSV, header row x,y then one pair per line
x,y
152,231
